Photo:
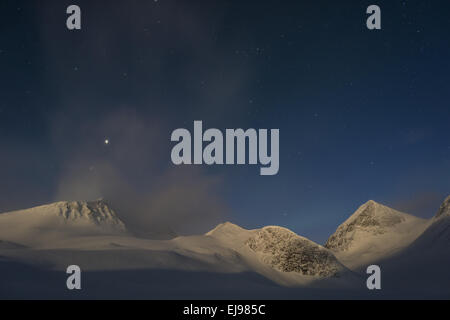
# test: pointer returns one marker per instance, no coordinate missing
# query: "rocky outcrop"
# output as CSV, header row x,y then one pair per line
x,y
285,251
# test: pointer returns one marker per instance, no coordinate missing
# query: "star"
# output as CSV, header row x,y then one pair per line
x,y
106,141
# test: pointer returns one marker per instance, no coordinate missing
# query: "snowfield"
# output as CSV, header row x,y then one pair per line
x,y
373,232
48,224
229,261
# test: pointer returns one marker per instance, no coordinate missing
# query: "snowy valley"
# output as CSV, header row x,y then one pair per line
x,y
228,261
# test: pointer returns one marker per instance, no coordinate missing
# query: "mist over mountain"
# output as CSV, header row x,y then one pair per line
x,y
269,261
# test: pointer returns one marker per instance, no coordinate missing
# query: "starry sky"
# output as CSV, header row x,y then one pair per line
x,y
362,114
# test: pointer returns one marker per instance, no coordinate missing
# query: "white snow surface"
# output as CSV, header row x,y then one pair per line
x,y
47,224
436,236
372,233
92,235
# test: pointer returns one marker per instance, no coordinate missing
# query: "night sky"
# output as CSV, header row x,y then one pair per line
x,y
362,114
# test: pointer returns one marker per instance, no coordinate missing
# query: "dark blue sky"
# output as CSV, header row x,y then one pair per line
x,y
362,114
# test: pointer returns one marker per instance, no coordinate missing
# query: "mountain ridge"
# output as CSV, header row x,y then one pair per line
x,y
275,252
444,209
39,225
372,232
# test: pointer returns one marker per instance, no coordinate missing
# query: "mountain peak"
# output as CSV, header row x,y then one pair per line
x,y
373,213
372,204
60,219
227,228
444,210
96,211
284,250
371,218
437,234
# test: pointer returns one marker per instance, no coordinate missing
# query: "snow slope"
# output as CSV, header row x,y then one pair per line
x,y
287,252
281,255
51,237
372,233
61,220
444,210
91,235
422,268
436,236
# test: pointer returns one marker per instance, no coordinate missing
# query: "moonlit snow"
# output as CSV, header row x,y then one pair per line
x,y
37,245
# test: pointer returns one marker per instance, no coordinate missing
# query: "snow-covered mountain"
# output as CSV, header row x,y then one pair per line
x,y
444,210
91,235
437,234
80,230
373,232
60,220
280,254
422,268
285,251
